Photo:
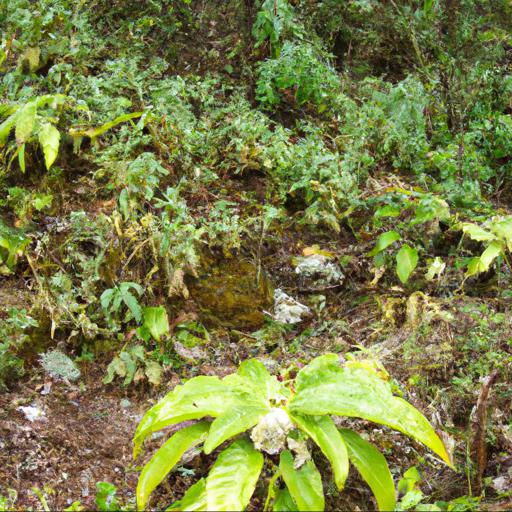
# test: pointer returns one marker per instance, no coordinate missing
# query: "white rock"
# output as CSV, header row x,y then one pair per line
x,y
32,412
287,310
320,269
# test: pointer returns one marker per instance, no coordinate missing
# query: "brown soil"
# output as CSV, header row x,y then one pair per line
x,y
84,438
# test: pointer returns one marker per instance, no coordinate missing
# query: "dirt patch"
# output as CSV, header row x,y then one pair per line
x,y
83,438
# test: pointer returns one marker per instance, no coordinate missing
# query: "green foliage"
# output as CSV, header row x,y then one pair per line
x,y
113,298
253,399
302,72
35,119
13,335
106,500
497,238
12,245
419,212
134,365
156,323
274,22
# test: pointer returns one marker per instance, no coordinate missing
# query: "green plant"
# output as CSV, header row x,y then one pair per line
x,y
106,500
427,211
112,299
301,71
12,245
35,118
26,204
274,21
282,416
133,365
13,335
496,235
8,502
155,323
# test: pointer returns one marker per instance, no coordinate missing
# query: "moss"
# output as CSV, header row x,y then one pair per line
x,y
230,294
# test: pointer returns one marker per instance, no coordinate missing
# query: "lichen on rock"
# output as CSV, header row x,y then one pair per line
x,y
59,365
318,271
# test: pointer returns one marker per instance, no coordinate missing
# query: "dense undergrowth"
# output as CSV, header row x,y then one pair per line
x,y
165,165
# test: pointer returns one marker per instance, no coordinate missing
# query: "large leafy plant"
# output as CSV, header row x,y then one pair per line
x,y
281,418
33,120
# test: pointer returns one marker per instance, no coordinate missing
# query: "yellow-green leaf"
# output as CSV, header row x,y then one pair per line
x,y
49,139
25,121
384,241
232,479
324,433
373,467
166,458
234,421
323,387
304,484
406,262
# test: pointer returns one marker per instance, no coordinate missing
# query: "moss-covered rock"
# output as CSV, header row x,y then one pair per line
x,y
231,294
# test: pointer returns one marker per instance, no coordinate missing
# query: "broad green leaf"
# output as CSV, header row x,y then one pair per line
x,y
199,397
373,467
131,367
304,484
7,125
283,501
254,378
156,321
166,458
324,433
474,267
106,298
477,233
21,157
133,305
234,421
384,241
490,254
503,229
406,262
49,139
409,481
25,122
359,392
116,366
193,500
483,262
232,479
387,211
428,7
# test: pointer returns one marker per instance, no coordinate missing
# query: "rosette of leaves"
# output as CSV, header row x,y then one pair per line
x,y
250,413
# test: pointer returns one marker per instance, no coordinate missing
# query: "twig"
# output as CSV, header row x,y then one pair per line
x,y
479,427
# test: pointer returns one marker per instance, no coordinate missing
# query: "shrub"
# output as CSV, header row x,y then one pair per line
x,y
282,418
